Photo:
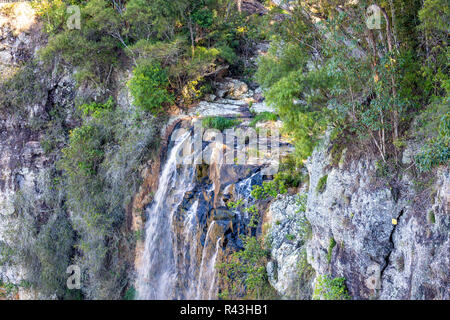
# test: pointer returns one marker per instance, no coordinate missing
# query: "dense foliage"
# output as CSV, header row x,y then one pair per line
x,y
329,288
149,87
326,68
244,274
176,46
100,175
219,123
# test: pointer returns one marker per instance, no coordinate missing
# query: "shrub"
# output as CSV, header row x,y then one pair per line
x,y
302,200
290,237
235,204
53,13
322,184
219,123
94,49
227,53
437,150
24,88
130,294
7,289
149,87
6,253
203,17
432,217
44,248
254,213
331,245
263,117
54,250
278,63
245,274
95,109
303,124
328,288
268,189
290,172
85,151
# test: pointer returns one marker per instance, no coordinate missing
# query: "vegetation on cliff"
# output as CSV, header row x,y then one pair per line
x,y
328,69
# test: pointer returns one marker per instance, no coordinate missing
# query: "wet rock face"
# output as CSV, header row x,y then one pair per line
x,y
209,197
204,228
384,242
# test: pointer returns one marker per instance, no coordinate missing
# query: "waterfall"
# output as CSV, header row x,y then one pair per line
x,y
207,276
212,270
184,232
157,277
174,265
190,248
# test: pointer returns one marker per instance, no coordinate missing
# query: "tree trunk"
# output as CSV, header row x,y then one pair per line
x,y
191,31
395,117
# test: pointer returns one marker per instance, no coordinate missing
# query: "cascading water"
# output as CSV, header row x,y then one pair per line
x,y
157,277
206,279
212,270
174,264
190,248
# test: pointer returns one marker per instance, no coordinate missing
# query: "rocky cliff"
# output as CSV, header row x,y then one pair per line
x,y
22,158
387,241
36,118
